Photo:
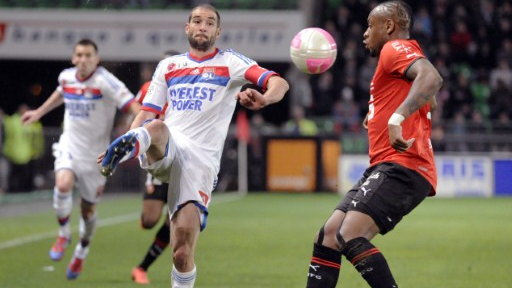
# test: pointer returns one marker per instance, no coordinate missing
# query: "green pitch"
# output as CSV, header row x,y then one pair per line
x,y
265,240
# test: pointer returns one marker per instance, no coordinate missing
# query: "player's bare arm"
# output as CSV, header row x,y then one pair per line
x,y
254,100
427,83
31,116
142,116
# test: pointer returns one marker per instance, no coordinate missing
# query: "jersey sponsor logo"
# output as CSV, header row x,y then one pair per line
x,y
190,98
79,109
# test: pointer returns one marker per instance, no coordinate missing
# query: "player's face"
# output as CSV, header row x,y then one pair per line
x,y
85,59
375,35
202,29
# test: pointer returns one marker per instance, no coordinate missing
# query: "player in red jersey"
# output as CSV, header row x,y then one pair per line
x,y
154,200
402,170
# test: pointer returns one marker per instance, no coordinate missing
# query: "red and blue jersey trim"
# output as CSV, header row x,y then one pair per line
x,y
152,108
218,75
204,58
259,76
74,93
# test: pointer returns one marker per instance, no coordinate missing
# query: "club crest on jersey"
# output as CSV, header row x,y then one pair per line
x,y
171,67
208,74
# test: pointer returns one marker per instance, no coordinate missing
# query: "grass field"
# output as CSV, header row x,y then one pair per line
x,y
265,240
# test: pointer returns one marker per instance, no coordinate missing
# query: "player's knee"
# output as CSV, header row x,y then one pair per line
x,y
64,186
158,130
182,255
327,236
87,209
147,222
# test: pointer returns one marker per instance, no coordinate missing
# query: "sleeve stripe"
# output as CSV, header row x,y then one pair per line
x,y
151,108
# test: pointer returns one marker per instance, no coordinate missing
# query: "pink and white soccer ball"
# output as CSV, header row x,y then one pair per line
x,y
313,50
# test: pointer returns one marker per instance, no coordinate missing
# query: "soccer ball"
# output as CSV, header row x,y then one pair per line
x,y
313,50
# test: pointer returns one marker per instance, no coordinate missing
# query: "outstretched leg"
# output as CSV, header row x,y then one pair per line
x,y
151,139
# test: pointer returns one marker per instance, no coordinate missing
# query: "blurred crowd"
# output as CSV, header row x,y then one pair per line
x,y
470,43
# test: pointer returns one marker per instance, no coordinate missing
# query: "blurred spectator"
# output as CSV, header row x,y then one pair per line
x,y
458,129
259,129
324,91
501,72
460,41
299,125
481,92
501,99
300,93
23,143
438,138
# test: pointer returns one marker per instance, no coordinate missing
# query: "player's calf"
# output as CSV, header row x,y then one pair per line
x,y
324,268
370,263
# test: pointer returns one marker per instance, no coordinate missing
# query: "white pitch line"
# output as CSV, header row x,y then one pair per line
x,y
101,223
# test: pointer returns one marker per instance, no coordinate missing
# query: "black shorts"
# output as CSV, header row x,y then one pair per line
x,y
386,192
160,192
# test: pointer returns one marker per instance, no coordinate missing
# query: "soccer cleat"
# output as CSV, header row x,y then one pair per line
x,y
59,247
74,268
121,147
140,276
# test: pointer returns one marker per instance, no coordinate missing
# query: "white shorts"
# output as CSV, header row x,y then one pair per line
x,y
190,177
87,173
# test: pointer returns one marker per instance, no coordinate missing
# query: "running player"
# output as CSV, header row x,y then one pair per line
x,y
402,171
201,87
91,95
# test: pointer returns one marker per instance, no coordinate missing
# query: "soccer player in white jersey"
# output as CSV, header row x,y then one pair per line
x,y
202,88
91,95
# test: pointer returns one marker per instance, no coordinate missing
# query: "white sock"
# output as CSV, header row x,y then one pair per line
x,y
63,204
81,252
183,280
143,142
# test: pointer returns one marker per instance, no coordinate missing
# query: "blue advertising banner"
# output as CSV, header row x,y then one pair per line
x,y
503,177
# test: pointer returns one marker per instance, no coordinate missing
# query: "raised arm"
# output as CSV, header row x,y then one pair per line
x,y
427,83
55,100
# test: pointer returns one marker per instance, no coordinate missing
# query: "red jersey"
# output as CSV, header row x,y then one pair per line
x,y
388,89
142,94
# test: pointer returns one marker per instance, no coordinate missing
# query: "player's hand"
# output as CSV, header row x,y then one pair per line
x,y
396,139
100,158
30,116
251,99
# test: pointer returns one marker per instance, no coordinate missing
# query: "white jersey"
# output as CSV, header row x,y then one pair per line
x,y
90,107
201,97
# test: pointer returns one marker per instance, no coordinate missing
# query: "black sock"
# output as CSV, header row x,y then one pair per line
x,y
368,260
324,268
161,241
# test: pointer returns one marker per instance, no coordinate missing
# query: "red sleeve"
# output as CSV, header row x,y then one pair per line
x,y
259,76
397,55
